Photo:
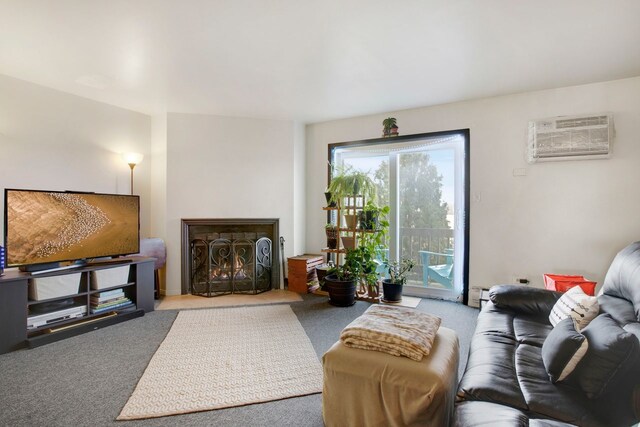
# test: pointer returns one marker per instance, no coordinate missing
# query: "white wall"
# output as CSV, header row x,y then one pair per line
x,y
563,217
299,189
51,140
222,167
158,175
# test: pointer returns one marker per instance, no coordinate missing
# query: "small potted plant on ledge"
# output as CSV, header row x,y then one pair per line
x,y
392,287
341,282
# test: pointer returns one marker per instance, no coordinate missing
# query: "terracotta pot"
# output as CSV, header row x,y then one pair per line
x,y
351,221
348,242
373,291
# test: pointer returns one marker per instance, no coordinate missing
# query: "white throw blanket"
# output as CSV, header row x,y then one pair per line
x,y
395,330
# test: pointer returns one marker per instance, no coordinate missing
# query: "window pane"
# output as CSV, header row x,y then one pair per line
x,y
377,167
426,215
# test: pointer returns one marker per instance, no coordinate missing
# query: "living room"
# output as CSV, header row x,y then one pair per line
x,y
246,137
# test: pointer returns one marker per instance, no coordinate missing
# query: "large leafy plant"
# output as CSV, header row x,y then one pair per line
x,y
348,181
398,270
351,268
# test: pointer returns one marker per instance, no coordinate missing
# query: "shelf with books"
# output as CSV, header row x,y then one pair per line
x,y
110,300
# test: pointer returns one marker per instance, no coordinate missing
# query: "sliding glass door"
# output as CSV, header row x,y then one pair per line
x,y
423,181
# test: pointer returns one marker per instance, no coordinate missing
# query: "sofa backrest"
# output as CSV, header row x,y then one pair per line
x,y
623,278
620,297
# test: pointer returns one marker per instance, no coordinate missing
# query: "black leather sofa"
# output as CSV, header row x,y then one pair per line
x,y
505,382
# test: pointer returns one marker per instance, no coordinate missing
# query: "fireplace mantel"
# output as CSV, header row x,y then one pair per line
x,y
191,226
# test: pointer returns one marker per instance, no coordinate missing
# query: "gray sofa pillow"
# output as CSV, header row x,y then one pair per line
x,y
563,349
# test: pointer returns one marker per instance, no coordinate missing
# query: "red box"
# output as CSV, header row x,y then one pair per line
x,y
562,283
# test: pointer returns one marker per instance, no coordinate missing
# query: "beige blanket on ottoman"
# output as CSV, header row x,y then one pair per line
x,y
395,330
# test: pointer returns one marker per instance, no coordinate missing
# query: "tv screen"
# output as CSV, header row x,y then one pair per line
x,y
54,226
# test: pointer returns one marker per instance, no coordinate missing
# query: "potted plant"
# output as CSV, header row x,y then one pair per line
x,y
392,287
332,236
341,282
349,182
370,216
349,240
388,126
372,247
322,271
327,193
368,275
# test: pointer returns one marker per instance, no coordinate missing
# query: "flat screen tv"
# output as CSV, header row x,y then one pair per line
x,y
48,227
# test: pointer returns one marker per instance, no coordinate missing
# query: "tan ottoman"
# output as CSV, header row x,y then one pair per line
x,y
370,388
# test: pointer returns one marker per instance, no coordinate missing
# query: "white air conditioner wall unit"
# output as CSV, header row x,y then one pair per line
x,y
570,138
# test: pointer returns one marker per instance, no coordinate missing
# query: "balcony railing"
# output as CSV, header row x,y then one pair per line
x,y
413,240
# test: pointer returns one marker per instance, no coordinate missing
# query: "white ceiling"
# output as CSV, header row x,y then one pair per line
x,y
313,60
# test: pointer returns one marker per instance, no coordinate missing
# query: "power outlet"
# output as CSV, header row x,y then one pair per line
x,y
519,279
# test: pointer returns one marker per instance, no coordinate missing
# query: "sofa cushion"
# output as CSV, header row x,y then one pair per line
x,y
623,277
530,331
563,349
575,303
620,309
562,401
613,354
524,300
484,414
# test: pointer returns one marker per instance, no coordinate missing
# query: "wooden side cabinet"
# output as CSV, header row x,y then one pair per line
x,y
16,306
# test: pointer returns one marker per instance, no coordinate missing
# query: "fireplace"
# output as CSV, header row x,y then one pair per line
x,y
224,256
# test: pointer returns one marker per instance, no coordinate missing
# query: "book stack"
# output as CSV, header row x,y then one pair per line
x,y
302,273
109,300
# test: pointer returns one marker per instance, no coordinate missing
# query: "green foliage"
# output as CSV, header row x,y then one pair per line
x,y
398,270
388,123
420,194
351,268
350,182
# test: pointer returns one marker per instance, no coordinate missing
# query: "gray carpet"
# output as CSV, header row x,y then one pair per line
x,y
86,380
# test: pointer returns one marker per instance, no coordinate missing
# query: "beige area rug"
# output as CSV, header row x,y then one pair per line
x,y
226,357
183,302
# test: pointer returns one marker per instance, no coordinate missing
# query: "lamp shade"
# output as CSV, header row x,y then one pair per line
x,y
132,158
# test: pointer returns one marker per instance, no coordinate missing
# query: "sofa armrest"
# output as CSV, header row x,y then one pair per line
x,y
521,299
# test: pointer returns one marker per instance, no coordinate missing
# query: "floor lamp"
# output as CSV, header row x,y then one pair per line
x,y
132,160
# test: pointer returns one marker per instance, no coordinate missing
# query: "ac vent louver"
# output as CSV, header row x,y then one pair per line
x,y
570,138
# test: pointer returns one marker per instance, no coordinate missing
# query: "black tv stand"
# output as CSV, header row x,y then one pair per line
x,y
15,304
109,261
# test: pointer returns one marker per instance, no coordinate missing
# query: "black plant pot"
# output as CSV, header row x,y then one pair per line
x,y
342,293
391,292
332,242
327,195
368,220
322,272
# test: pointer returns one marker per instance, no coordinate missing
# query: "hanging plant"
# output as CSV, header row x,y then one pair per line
x,y
350,182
